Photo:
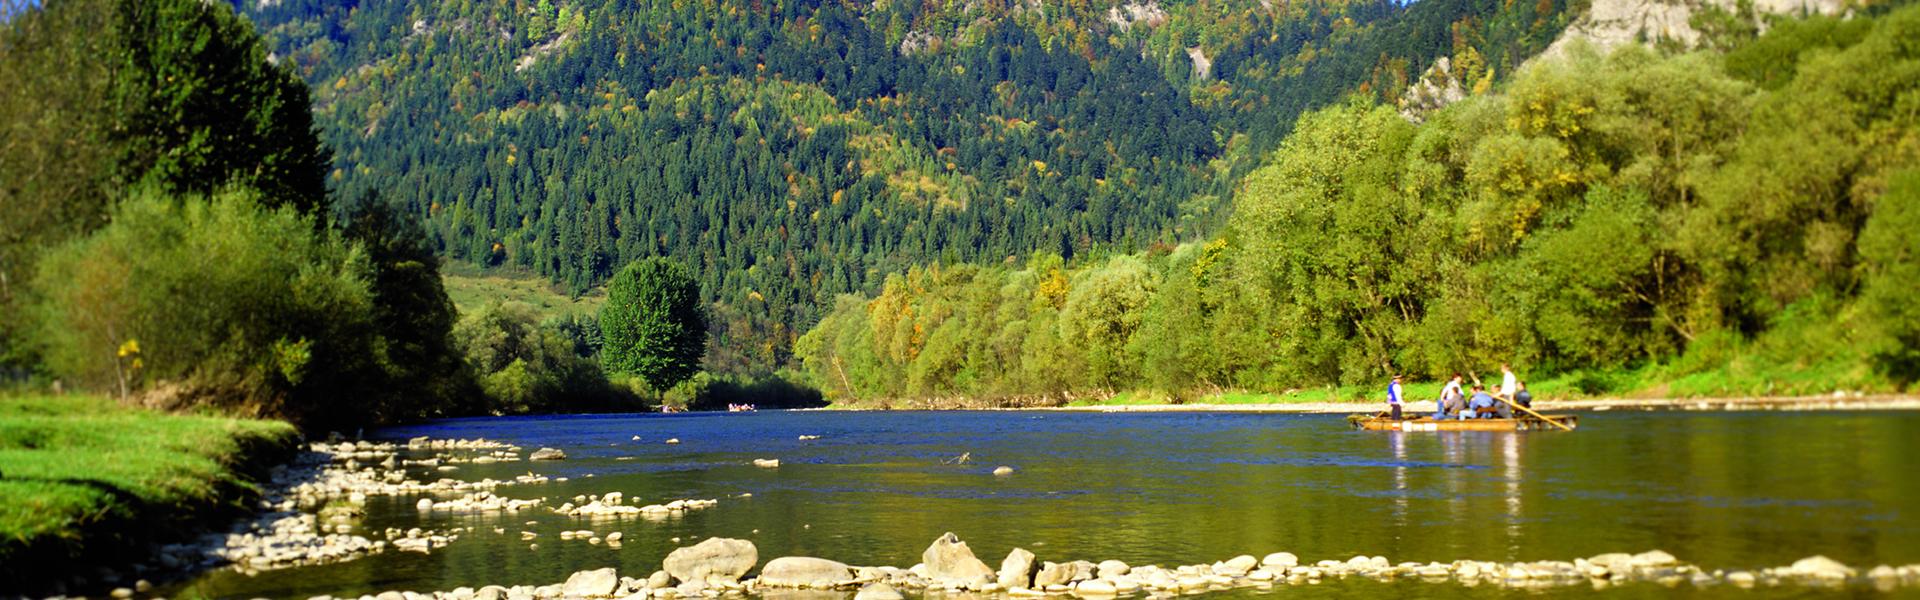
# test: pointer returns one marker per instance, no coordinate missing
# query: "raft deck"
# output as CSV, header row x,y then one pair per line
x,y
1521,423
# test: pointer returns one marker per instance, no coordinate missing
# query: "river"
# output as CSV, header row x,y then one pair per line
x,y
1721,490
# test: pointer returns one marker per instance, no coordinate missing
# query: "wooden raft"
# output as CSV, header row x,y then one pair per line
x,y
1522,423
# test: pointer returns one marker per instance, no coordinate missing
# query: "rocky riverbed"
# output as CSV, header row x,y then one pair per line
x,y
718,567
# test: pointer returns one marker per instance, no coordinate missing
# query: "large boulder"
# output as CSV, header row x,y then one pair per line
x,y
714,561
1280,561
547,454
593,584
949,561
1016,572
802,571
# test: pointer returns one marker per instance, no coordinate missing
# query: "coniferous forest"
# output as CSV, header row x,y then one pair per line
x,y
794,151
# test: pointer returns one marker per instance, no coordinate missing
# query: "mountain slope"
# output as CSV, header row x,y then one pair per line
x,y
795,150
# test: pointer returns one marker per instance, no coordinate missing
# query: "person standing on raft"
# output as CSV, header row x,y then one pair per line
x,y
1393,397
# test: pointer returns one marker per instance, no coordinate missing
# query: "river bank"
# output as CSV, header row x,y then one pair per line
x,y
87,484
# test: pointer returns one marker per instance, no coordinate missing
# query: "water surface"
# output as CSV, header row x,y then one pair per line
x,y
1721,490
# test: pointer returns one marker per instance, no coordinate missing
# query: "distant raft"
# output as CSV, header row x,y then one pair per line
x,y
1518,423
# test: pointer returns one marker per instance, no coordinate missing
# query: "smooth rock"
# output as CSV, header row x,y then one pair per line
x,y
1003,470
1284,560
804,571
1082,570
547,454
766,463
615,536
1094,587
1017,570
878,590
1109,569
1820,567
949,560
1051,574
595,583
491,592
713,560
659,580
1614,561
1237,566
1653,558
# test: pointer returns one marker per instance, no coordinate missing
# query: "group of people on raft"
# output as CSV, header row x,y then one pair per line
x,y
1455,403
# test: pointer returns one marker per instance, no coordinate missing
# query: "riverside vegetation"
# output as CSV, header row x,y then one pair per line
x,y
1734,220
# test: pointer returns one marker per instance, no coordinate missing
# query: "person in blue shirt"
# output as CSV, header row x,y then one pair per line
x,y
1393,397
1480,400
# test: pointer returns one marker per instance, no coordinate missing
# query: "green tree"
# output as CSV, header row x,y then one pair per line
x,y
1890,257
653,324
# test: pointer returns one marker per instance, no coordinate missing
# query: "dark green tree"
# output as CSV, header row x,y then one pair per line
x,y
653,324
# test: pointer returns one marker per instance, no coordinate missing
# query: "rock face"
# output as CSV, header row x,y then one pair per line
x,y
1608,24
949,561
1016,571
714,561
802,571
595,583
547,454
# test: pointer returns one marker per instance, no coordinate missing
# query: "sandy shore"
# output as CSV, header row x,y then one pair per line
x,y
1841,402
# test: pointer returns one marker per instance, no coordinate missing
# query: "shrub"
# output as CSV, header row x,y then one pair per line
x,y
250,309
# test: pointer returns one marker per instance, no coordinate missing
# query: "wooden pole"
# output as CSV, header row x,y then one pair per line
x,y
1529,411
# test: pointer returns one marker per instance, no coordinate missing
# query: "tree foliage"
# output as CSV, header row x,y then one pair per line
x,y
1598,212
102,94
653,324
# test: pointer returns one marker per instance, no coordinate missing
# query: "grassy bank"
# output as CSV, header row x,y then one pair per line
x,y
85,481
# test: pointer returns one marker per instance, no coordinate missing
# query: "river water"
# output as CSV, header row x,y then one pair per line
x,y
1721,490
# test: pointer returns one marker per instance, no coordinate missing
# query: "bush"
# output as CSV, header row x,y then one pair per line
x,y
524,365
249,309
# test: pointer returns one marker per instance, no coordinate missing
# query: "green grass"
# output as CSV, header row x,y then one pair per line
x,y
82,471
471,289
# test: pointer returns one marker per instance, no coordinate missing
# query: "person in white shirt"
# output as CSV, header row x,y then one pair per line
x,y
1509,384
1452,399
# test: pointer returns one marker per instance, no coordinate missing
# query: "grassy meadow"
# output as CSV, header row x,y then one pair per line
x,y
472,289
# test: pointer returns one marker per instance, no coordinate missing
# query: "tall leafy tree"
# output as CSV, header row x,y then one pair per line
x,y
653,323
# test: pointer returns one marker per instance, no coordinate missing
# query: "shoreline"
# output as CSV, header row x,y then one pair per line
x,y
1729,404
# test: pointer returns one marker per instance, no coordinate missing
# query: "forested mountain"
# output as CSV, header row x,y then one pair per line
x,y
794,150
1728,221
